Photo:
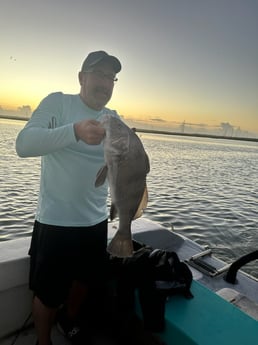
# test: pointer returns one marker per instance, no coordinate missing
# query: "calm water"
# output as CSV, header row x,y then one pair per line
x,y
207,189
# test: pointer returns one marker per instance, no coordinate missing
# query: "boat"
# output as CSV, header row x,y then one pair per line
x,y
224,309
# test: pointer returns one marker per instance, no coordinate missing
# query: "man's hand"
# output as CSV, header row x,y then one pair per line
x,y
89,131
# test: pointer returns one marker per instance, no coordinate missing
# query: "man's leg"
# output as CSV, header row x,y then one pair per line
x,y
68,319
43,319
77,295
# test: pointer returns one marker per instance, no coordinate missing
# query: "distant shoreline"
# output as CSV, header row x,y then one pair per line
x,y
154,131
212,136
10,117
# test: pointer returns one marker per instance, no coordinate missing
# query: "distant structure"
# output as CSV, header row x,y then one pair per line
x,y
227,129
25,110
22,112
183,127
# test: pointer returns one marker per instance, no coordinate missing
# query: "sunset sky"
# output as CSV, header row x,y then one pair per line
x,y
182,60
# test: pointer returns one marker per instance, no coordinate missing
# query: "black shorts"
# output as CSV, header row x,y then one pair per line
x,y
59,255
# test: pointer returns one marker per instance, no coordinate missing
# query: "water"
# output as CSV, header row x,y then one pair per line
x,y
206,188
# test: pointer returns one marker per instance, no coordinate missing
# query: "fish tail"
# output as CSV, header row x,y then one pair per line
x,y
120,246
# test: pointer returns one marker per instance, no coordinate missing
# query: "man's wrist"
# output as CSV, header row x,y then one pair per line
x,y
75,131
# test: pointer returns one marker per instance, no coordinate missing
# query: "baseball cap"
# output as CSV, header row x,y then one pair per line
x,y
95,57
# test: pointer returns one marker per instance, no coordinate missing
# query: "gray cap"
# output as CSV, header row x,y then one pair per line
x,y
95,57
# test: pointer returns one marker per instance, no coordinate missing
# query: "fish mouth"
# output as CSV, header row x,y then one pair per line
x,y
104,119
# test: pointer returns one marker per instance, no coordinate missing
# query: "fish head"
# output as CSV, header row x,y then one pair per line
x,y
117,134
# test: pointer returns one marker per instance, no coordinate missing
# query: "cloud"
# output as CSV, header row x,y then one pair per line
x,y
158,120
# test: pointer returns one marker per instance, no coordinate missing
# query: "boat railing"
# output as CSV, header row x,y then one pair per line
x,y
231,275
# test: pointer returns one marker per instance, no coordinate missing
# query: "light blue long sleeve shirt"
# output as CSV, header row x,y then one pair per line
x,y
68,196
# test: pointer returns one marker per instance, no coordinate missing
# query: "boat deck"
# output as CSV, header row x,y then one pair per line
x,y
205,319
137,336
188,321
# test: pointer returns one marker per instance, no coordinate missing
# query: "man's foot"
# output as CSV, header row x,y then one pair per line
x,y
70,329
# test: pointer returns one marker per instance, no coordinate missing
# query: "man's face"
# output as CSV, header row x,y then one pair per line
x,y
97,85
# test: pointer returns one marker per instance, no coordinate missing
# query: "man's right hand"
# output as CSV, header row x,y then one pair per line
x,y
89,131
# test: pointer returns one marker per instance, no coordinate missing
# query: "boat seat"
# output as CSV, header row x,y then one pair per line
x,y
240,300
207,319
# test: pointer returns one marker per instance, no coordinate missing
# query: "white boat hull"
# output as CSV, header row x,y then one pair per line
x,y
15,297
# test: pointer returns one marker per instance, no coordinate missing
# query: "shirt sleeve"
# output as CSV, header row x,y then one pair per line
x,y
45,132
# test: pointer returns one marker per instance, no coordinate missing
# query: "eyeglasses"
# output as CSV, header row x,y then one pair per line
x,y
101,75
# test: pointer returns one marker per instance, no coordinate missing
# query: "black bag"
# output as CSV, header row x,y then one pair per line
x,y
170,277
156,274
170,274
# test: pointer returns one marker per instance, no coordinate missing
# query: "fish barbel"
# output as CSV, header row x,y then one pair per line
x,y
126,167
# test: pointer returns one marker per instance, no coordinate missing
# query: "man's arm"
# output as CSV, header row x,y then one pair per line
x,y
40,136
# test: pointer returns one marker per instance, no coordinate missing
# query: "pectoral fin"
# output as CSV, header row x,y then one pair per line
x,y
143,204
101,176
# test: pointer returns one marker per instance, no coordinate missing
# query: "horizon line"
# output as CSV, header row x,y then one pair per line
x,y
157,131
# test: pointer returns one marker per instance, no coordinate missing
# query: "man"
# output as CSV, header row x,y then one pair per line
x,y
68,246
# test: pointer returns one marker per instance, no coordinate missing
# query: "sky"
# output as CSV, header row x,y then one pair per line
x,y
191,61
